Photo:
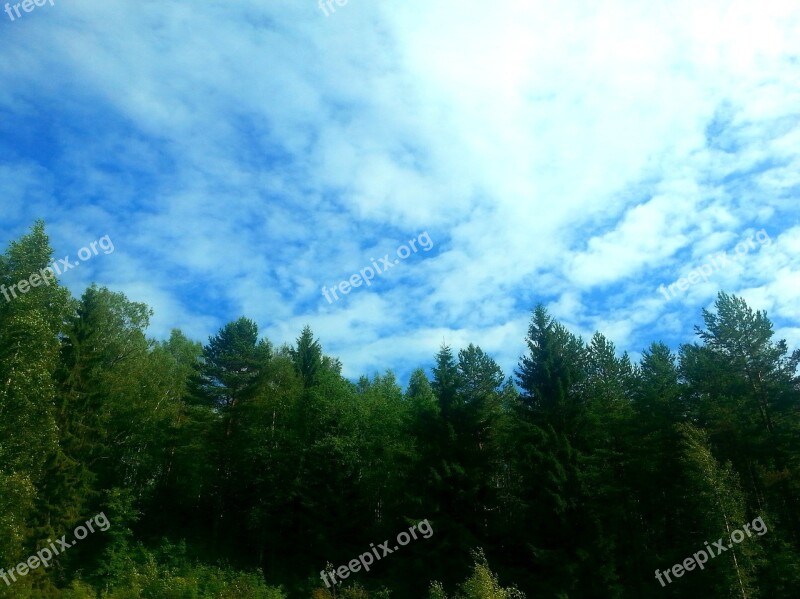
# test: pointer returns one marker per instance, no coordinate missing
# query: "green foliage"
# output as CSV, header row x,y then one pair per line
x,y
552,376
353,591
482,584
29,329
226,465
307,357
169,574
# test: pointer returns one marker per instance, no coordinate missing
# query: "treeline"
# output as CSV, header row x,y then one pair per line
x,y
238,469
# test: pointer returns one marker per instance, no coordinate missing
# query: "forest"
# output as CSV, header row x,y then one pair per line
x,y
241,469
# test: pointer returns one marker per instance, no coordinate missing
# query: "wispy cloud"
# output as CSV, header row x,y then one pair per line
x,y
242,155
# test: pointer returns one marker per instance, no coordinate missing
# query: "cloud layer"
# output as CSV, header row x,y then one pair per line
x,y
241,156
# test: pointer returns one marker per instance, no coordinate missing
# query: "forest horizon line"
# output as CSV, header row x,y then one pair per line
x,y
243,470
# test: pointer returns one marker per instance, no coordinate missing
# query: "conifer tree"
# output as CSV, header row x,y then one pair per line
x,y
30,324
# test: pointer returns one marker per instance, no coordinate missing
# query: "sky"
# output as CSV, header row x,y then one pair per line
x,y
243,155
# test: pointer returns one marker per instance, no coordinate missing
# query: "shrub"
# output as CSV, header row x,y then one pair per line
x,y
482,584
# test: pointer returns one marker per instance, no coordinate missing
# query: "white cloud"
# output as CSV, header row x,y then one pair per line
x,y
243,155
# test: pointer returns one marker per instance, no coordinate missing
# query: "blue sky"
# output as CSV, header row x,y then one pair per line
x,y
241,155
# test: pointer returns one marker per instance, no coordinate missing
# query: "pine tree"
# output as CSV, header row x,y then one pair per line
x,y
307,357
29,327
233,362
744,390
552,376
